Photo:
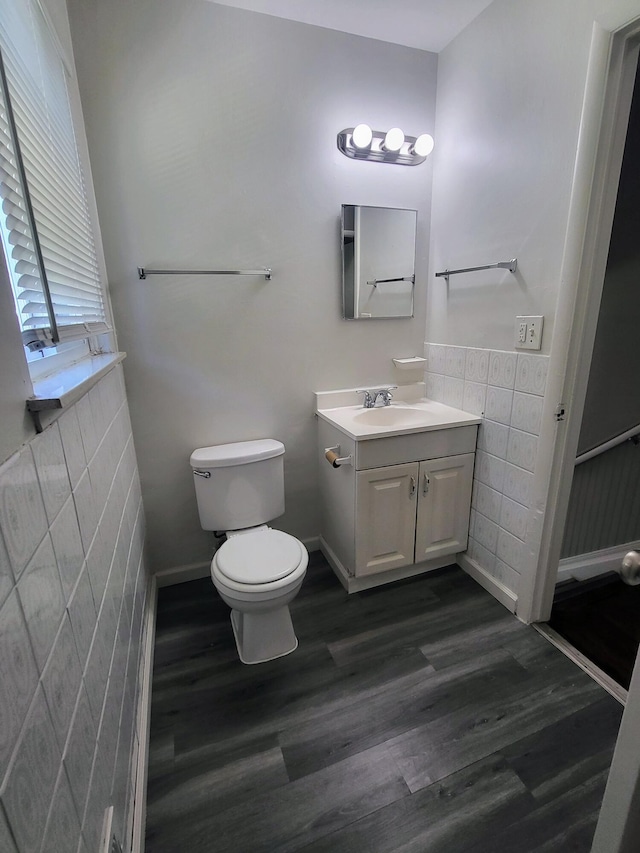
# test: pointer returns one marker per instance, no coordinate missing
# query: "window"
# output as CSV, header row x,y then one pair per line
x,y
45,223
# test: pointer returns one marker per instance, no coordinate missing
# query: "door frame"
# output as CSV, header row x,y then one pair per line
x,y
611,75
608,92
618,828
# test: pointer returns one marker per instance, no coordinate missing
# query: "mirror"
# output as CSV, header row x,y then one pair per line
x,y
378,262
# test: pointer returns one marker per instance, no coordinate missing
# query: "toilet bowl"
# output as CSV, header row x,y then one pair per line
x,y
258,570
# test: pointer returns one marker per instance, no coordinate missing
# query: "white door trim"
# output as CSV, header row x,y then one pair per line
x,y
603,125
618,829
607,99
138,804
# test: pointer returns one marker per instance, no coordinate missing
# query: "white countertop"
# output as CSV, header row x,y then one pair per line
x,y
409,412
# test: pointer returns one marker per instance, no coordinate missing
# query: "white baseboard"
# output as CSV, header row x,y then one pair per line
x,y
495,587
595,563
143,722
181,574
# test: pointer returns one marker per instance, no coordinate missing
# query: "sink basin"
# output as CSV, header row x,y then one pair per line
x,y
409,412
390,416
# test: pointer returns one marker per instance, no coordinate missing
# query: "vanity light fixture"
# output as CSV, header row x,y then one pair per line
x,y
363,143
362,136
423,146
393,140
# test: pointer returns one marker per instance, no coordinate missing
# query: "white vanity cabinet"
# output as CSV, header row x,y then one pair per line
x,y
444,505
401,508
412,512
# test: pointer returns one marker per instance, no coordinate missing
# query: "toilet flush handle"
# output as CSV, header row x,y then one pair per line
x,y
206,474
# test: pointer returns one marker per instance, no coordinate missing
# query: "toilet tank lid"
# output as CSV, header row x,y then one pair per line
x,y
238,453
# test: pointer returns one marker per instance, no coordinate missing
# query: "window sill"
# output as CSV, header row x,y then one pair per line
x,y
66,386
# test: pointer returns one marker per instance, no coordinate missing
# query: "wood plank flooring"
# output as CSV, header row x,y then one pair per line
x,y
419,716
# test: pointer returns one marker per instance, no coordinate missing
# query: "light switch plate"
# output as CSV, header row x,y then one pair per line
x,y
528,332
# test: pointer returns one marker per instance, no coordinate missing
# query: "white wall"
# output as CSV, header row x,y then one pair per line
x,y
510,97
73,585
510,90
212,134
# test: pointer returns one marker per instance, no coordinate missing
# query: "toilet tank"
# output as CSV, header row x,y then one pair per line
x,y
239,485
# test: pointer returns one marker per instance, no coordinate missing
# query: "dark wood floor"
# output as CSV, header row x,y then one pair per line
x,y
601,618
419,717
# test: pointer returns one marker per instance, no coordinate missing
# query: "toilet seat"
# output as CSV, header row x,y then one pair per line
x,y
259,557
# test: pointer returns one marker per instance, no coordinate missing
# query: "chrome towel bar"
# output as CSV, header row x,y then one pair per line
x,y
266,272
511,265
377,281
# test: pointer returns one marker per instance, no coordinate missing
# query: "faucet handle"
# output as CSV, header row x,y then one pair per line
x,y
368,398
385,394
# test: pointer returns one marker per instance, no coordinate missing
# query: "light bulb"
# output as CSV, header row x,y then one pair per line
x,y
423,146
361,136
394,139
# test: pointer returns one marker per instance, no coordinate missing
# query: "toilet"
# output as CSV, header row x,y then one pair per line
x,y
258,570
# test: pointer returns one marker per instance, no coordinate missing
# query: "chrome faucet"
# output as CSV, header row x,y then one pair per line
x,y
378,399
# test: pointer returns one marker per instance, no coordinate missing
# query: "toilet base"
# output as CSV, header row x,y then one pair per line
x,y
261,637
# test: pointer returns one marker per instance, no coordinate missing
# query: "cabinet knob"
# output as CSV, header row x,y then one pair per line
x,y
425,484
412,487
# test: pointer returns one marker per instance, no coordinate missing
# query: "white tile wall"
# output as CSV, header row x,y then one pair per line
x,y
518,484
67,546
526,413
499,404
486,501
61,680
453,391
80,745
40,594
531,373
513,517
52,471
454,362
522,449
494,438
435,386
490,470
502,369
474,397
72,591
18,675
32,773
6,575
63,827
507,388
477,365
6,839
22,517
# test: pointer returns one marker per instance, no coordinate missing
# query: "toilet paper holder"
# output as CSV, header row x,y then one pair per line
x,y
332,455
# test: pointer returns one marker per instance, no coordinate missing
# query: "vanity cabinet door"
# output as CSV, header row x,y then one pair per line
x,y
385,518
444,504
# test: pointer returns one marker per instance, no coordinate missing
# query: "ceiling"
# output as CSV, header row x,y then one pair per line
x,y
425,24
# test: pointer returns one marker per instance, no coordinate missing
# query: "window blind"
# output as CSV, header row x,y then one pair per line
x,y
45,221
